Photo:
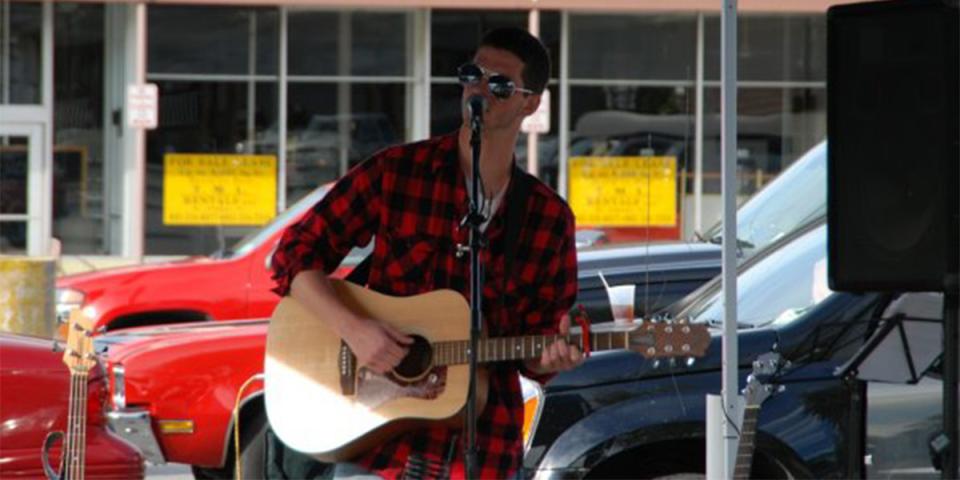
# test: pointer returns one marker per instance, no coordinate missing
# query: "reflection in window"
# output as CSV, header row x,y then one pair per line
x,y
209,40
774,127
633,47
321,143
79,189
771,47
21,52
13,194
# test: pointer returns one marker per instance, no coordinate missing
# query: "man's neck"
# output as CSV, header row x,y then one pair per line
x,y
496,157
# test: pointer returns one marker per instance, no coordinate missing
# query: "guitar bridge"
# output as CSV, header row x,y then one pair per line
x,y
348,370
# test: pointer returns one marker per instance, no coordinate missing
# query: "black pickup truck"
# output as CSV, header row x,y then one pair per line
x,y
621,416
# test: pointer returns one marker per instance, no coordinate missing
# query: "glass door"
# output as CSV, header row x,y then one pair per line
x,y
21,190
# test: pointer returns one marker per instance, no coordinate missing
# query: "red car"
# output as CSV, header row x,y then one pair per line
x,y
229,285
34,400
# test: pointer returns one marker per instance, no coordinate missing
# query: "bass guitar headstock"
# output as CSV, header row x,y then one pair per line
x,y
79,354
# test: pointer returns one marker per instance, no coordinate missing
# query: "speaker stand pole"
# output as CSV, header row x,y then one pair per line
x,y
951,363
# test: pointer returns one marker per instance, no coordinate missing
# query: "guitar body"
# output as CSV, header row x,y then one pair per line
x,y
320,404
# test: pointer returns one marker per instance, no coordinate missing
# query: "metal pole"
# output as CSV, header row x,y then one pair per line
x,y
138,184
698,135
951,365
728,128
563,130
533,137
282,113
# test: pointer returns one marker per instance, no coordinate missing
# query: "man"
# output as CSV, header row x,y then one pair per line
x,y
411,199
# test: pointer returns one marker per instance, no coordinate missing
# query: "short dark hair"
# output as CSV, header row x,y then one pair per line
x,y
529,49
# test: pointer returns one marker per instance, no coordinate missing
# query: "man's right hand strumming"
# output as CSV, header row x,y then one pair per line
x,y
377,345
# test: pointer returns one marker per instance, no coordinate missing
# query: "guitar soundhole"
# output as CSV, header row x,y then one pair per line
x,y
417,363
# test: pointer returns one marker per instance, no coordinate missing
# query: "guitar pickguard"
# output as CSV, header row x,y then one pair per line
x,y
374,389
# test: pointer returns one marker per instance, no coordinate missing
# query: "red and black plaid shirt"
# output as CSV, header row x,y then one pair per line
x,y
411,199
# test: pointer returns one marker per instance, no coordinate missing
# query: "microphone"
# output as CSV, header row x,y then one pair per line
x,y
476,104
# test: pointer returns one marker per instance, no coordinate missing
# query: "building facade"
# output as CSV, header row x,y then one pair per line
x,y
318,86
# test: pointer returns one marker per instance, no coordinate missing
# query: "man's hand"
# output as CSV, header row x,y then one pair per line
x,y
377,345
559,356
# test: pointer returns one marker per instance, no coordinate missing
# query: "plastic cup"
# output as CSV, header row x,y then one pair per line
x,y
621,303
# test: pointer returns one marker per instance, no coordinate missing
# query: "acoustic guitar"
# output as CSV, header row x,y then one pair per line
x,y
319,402
79,357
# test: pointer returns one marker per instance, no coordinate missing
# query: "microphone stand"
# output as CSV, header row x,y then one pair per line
x,y
474,219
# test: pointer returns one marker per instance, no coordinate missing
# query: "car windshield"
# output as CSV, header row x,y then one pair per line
x,y
255,238
795,198
776,289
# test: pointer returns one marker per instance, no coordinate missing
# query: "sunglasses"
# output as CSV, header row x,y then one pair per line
x,y
499,85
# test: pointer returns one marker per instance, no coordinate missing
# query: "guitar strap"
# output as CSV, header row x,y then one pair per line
x,y
516,199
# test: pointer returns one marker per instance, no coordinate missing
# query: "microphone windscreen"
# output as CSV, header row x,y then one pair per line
x,y
476,104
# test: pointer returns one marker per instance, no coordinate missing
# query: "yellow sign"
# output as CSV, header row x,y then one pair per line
x,y
219,189
624,191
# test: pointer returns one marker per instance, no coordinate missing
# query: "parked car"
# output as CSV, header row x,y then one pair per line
x,y
620,416
34,401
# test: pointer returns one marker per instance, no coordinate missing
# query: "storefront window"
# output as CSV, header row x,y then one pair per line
x,y
209,40
338,112
21,48
771,48
634,47
774,127
79,189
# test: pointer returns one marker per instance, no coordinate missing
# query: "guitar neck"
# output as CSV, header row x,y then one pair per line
x,y
741,470
500,349
75,438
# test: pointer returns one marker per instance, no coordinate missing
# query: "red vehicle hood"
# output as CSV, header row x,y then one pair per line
x,y
121,275
123,345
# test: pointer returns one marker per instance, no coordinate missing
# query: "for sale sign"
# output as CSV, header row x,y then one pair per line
x,y
219,189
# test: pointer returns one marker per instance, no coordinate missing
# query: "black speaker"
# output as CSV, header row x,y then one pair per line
x,y
893,130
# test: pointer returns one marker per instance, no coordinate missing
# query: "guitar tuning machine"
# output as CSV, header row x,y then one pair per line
x,y
56,347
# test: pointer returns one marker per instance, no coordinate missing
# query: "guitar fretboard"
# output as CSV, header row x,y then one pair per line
x,y
74,442
522,348
741,470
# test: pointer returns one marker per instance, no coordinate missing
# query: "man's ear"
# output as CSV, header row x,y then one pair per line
x,y
531,105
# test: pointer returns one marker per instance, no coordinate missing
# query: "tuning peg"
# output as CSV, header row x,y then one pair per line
x,y
73,353
56,347
91,356
101,330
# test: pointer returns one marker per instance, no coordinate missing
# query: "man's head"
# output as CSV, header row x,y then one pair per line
x,y
528,49
510,69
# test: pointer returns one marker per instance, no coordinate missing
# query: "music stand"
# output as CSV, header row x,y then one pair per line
x,y
905,346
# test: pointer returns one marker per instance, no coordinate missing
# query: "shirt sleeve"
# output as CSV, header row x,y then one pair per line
x,y
556,294
345,218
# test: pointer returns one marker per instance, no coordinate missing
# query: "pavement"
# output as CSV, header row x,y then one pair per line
x,y
170,471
